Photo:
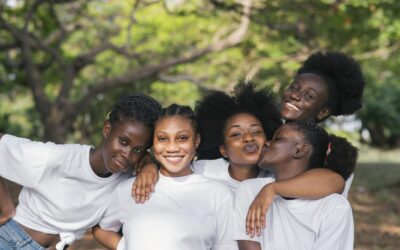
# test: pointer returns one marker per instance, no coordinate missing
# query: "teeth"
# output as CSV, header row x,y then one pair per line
x,y
291,106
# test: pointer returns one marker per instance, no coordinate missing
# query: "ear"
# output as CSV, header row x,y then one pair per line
x,y
106,129
324,113
301,150
222,150
197,140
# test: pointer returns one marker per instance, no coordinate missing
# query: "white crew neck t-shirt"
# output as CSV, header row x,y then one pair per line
x,y
323,224
189,212
218,170
61,194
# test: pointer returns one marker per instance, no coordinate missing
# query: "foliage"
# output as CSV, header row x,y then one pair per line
x,y
174,49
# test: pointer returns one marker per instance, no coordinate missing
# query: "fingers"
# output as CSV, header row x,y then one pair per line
x,y
250,228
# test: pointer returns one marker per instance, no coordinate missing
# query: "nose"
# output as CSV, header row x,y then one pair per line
x,y
248,137
172,147
294,95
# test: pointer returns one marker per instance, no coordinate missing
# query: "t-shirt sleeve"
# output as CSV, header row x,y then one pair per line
x,y
111,219
224,238
337,229
22,160
348,185
243,199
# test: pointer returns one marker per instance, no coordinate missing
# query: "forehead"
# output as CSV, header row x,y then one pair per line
x,y
312,81
242,119
174,123
290,131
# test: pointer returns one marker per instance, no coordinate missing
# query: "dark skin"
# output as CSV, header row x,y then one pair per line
x,y
304,100
307,96
123,145
287,155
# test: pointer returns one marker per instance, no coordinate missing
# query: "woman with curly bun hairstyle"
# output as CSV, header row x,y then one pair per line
x,y
327,84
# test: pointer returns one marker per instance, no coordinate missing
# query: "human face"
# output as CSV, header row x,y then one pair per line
x,y
174,145
243,140
280,150
125,142
305,98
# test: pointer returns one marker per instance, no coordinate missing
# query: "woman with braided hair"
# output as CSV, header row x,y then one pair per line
x,y
66,187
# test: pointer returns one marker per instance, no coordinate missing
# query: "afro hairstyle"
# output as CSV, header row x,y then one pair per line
x,y
217,107
343,76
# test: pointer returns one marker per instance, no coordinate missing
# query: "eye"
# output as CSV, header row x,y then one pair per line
x,y
235,134
123,141
161,138
293,86
308,96
182,138
257,132
138,150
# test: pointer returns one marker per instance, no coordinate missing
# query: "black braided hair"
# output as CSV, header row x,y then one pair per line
x,y
343,76
179,110
135,107
217,107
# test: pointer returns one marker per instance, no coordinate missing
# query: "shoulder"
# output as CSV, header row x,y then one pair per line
x,y
255,183
334,203
210,165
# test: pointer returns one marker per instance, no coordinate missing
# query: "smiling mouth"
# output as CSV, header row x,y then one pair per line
x,y
121,165
174,159
291,106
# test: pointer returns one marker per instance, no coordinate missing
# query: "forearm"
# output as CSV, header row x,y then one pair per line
x,y
312,184
108,239
248,245
7,207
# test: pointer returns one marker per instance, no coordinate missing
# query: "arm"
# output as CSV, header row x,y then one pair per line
x,y
7,207
312,184
248,245
145,182
108,239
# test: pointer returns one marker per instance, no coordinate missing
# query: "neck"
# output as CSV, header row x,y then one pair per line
x,y
96,162
241,173
186,171
289,171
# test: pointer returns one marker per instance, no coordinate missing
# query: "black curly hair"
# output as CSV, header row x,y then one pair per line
x,y
341,157
217,107
135,107
343,76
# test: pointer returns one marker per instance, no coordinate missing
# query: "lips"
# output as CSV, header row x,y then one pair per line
x,y
290,106
251,148
120,164
173,159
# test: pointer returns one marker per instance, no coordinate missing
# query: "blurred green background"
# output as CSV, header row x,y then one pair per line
x,y
64,62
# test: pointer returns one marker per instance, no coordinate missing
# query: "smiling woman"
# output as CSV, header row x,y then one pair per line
x,y
186,211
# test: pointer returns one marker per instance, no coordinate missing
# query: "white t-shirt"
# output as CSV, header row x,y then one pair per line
x,y
189,212
61,194
323,224
218,170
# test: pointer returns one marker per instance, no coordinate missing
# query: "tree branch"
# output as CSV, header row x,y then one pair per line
x,y
153,70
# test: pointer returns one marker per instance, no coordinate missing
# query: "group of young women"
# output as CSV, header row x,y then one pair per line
x,y
209,203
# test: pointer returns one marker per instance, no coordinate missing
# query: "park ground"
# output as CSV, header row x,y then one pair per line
x,y
373,197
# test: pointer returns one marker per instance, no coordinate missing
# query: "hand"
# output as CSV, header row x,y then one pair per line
x,y
256,216
7,207
145,182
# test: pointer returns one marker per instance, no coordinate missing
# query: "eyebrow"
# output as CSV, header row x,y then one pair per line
x,y
251,125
